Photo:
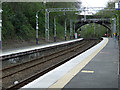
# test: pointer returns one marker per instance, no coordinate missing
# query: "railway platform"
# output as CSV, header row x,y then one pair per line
x,y
96,68
101,72
35,47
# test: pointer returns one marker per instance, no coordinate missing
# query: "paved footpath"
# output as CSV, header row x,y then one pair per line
x,y
101,71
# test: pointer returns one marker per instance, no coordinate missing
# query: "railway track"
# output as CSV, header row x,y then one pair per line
x,y
13,59
37,67
8,71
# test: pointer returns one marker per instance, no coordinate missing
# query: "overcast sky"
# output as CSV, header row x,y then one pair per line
x,y
94,3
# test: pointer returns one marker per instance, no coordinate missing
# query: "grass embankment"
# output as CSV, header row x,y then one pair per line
x,y
19,24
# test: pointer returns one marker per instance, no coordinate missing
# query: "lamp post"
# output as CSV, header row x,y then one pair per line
x,y
117,23
0,45
47,24
99,30
84,14
114,19
86,29
54,28
107,32
65,26
70,28
65,29
0,25
74,31
37,26
114,28
94,28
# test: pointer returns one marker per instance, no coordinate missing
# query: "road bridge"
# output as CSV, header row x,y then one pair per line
x,y
104,22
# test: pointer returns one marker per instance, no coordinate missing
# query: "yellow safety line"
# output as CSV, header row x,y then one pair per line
x,y
67,77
